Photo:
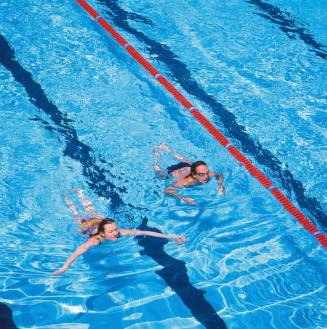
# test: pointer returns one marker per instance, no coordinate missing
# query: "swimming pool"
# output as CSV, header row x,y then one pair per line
x,y
77,112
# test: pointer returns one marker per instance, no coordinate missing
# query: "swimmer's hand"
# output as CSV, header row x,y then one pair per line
x,y
179,239
221,189
220,178
60,271
189,200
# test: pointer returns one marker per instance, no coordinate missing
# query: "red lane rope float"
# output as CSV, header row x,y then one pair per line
x,y
254,171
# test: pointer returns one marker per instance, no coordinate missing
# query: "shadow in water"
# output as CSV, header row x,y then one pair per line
x,y
174,273
6,320
289,26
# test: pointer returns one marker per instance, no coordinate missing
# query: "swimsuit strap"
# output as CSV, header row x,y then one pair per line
x,y
99,239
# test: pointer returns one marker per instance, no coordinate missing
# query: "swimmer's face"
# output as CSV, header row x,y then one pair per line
x,y
110,232
202,174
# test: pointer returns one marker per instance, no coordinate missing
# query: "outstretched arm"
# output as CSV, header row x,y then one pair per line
x,y
179,239
79,251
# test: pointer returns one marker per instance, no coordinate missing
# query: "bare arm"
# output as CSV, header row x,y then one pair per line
x,y
79,251
170,190
220,180
179,239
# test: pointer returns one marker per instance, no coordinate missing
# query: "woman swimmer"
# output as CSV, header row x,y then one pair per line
x,y
106,229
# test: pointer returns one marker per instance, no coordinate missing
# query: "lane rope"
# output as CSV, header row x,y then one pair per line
x,y
230,148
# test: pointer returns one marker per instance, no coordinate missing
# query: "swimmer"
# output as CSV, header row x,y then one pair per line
x,y
185,173
106,229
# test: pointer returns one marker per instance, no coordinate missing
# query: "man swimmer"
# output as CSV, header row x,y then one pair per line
x,y
185,173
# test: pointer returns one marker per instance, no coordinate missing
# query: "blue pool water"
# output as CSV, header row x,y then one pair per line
x,y
77,112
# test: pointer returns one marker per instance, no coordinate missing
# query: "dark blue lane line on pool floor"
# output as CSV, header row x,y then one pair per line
x,y
236,132
6,319
174,273
289,26
97,177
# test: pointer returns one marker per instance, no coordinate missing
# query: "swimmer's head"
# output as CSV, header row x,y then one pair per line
x,y
108,229
200,171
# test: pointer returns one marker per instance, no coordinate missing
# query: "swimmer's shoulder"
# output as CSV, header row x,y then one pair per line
x,y
185,181
94,241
